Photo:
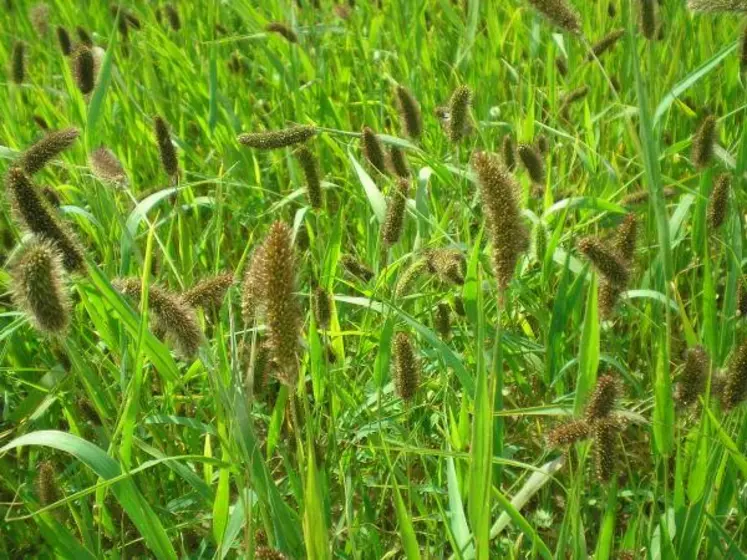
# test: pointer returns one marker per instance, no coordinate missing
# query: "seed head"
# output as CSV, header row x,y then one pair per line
x,y
694,375
508,151
602,400
540,242
39,14
543,144
18,62
741,300
210,292
572,97
166,150
605,432
252,290
46,149
354,267
310,169
105,165
41,122
83,68
507,232
274,139
38,287
448,264
459,306
372,149
561,65
46,484
568,434
605,260
647,18
611,10
705,137
605,44
442,320
608,294
172,314
397,163
410,275
459,119
52,196
63,38
172,15
406,367
84,37
743,51
35,214
735,388
718,204
322,307
267,553
283,30
391,229
561,13
409,112
734,6
641,196
531,159
625,240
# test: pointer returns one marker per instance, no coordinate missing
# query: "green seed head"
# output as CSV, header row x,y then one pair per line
x,y
372,149
310,168
166,150
411,274
283,30
718,204
606,261
540,242
693,377
409,111
105,165
18,62
83,69
45,150
459,118
406,367
735,387
38,287
703,141
561,13
274,139
393,225
46,484
568,434
322,307
210,292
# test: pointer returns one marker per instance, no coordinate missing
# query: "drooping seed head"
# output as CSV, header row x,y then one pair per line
x,y
83,69
508,151
715,6
172,16
605,435
410,275
38,287
50,146
322,307
647,18
409,111
173,315
274,139
568,434
18,62
372,149
703,141
105,165
459,117
718,203
448,264
406,367
63,38
602,400
39,15
356,268
693,377
210,292
735,387
166,150
605,43
397,162
560,12
393,226
35,215
508,234
531,159
606,261
283,30
442,320
46,484
625,239
310,168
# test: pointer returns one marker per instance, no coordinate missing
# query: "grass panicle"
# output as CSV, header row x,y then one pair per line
x,y
166,150
442,320
172,17
252,289
18,62
735,387
209,292
283,30
605,436
409,112
47,489
63,38
605,43
449,265
406,374
703,141
718,203
84,37
411,274
459,123
45,150
310,168
531,159
508,152
693,378
560,12
84,68
39,15
39,289
648,18
543,144
718,6
105,165
321,306
569,433
602,400
372,149
397,163
394,221
275,139
605,260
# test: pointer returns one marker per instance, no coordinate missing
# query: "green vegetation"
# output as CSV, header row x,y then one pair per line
x,y
374,279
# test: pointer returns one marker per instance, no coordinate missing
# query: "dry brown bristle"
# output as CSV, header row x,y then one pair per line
x,y
166,151
322,307
693,377
448,264
397,162
442,320
606,43
647,18
531,159
252,290
46,484
459,117
45,150
508,151
605,435
83,69
735,387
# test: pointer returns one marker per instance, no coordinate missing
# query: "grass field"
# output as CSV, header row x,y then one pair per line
x,y
380,279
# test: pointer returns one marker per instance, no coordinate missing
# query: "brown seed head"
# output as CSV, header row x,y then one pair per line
x,y
322,307
561,13
410,275
283,30
735,388
274,139
354,267
252,289
703,141
45,150
602,400
718,204
397,163
508,151
606,43
406,367
105,165
18,62
372,149
448,264
166,151
568,434
63,38
606,261
409,111
310,168
46,484
605,435
391,229
442,320
172,16
83,69
625,240
647,18
84,37
210,292
693,377
459,119
531,159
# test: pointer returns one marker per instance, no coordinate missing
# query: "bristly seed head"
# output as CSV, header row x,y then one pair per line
x,y
105,165
50,146
63,38
166,150
561,13
605,44
84,37
693,377
274,139
602,400
609,265
393,226
459,118
310,168
352,266
372,149
18,62
568,434
448,264
409,110
735,388
703,141
83,69
210,292
252,290
508,151
283,30
442,320
543,144
322,307
718,204
38,287
531,159
605,434
397,163
406,367
39,15
172,15
46,484
647,18
625,240
410,275
715,6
